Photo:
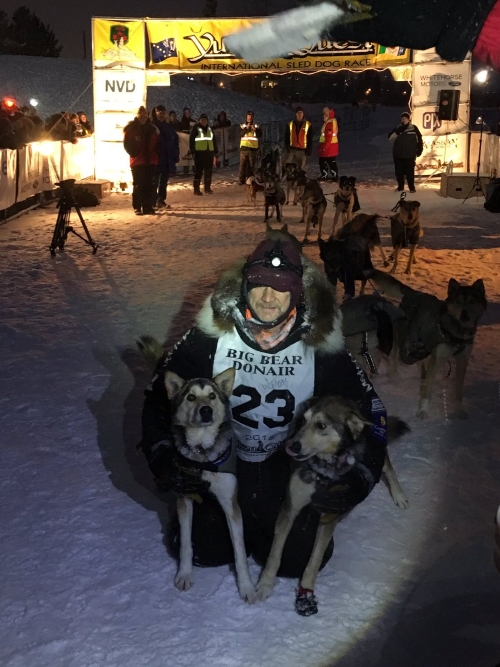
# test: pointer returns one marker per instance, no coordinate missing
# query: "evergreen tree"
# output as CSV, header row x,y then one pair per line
x,y
210,8
28,36
4,33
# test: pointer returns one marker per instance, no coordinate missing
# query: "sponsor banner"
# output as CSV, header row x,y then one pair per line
x,y
197,45
186,158
439,151
155,77
77,160
8,161
118,43
426,119
119,90
52,173
109,126
402,73
30,171
232,137
112,162
430,78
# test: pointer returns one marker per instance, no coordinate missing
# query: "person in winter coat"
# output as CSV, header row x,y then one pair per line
x,y
168,152
298,139
85,123
172,119
328,147
203,146
273,318
141,141
222,120
250,133
407,145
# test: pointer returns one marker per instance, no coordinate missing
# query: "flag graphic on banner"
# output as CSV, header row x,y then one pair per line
x,y
160,51
392,50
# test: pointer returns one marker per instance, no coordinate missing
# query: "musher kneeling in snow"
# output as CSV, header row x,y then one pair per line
x,y
273,318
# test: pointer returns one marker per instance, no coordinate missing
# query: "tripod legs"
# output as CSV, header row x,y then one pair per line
x,y
63,228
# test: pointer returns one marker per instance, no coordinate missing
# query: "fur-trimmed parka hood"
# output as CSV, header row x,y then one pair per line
x,y
321,324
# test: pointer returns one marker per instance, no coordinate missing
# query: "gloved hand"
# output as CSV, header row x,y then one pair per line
x,y
341,497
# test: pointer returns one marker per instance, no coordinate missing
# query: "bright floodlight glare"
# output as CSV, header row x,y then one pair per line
x,y
482,76
33,102
46,147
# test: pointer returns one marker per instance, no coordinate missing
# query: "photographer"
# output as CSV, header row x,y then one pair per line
x,y
249,143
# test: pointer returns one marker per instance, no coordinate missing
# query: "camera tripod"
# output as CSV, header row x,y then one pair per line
x,y
63,227
477,186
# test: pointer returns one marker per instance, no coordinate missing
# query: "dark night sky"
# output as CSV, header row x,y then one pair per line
x,y
68,19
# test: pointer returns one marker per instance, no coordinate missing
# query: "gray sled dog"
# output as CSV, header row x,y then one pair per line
x,y
329,442
435,331
201,433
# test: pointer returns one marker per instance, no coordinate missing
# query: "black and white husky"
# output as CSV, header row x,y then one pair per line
x,y
201,430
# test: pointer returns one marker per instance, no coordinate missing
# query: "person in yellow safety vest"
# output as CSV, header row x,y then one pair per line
x,y
298,139
250,134
328,147
203,146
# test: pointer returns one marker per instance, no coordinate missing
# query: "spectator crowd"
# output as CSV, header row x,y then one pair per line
x,y
21,125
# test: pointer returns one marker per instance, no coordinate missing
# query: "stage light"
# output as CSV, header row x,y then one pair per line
x,y
482,76
33,102
9,102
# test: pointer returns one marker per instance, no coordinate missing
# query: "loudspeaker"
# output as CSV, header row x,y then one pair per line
x,y
448,102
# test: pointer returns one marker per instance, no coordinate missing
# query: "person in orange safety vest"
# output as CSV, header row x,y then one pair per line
x,y
298,139
328,146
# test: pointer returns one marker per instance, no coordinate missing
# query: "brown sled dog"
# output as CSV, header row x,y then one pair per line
x,y
405,231
322,454
435,331
313,207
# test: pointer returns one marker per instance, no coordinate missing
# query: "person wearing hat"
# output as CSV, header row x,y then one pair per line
x,y
250,133
298,139
168,152
274,319
203,146
140,140
328,147
407,146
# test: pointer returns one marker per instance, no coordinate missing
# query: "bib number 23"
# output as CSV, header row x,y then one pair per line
x,y
284,400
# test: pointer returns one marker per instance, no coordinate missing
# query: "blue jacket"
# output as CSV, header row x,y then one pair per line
x,y
168,145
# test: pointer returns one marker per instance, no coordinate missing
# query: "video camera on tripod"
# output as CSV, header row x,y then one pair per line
x,y
63,227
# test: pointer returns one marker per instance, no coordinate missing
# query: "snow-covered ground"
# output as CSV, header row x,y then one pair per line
x,y
86,579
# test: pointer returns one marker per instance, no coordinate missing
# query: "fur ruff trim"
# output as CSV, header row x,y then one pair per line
x,y
322,319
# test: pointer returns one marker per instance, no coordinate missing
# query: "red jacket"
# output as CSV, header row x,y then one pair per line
x,y
328,141
141,143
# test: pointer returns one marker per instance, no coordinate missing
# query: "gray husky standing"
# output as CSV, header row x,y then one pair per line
x,y
201,433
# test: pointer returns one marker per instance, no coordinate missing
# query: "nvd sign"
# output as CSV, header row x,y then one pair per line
x,y
119,91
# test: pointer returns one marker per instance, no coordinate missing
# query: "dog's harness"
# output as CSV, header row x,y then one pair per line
x,y
423,334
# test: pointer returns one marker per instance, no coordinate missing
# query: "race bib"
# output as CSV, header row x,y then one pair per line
x,y
267,391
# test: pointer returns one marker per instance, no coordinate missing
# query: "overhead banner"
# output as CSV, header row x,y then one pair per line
x,y
118,43
198,46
